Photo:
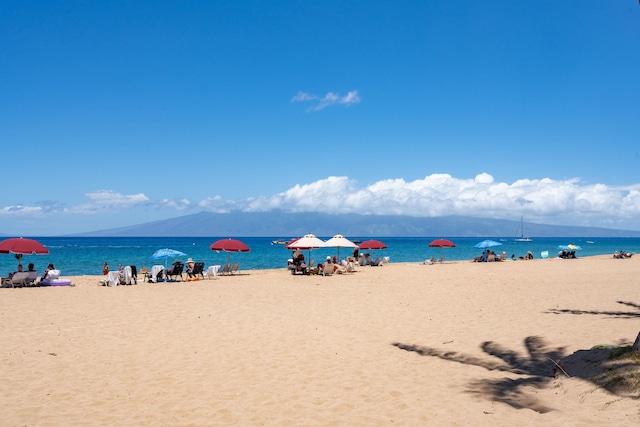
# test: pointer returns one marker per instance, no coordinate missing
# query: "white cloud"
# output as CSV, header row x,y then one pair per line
x,y
539,200
302,96
107,200
566,202
177,204
328,100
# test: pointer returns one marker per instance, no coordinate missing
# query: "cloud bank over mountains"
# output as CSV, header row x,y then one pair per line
x,y
539,200
561,202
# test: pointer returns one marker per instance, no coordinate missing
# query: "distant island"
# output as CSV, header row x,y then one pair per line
x,y
283,224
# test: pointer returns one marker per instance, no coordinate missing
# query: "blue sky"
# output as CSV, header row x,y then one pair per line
x,y
118,113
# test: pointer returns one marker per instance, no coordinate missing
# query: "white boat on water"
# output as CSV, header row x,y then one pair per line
x,y
521,237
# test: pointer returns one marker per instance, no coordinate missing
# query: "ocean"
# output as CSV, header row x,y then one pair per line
x,y
86,255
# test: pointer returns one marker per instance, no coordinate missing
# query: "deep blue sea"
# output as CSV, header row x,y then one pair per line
x,y
85,255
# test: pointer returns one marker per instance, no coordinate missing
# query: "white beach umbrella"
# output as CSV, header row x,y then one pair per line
x,y
339,241
309,242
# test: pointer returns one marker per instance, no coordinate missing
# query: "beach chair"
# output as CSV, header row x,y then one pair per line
x,y
225,269
128,275
350,267
327,270
31,280
18,279
234,267
175,271
212,272
112,279
156,273
441,259
198,270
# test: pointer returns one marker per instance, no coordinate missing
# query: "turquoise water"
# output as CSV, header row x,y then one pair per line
x,y
85,255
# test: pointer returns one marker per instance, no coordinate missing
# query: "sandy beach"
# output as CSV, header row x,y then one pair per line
x,y
451,344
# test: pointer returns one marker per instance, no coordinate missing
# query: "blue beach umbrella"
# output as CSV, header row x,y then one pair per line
x,y
570,247
167,253
487,244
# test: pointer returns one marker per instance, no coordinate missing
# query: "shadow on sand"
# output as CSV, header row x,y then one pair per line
x,y
614,368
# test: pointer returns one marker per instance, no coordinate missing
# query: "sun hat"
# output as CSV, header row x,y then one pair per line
x,y
190,260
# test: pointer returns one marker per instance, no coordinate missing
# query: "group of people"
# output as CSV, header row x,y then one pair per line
x,y
176,269
331,265
30,268
488,255
622,254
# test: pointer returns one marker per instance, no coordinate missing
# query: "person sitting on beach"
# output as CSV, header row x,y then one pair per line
x,y
298,260
529,255
10,275
31,267
46,272
480,258
333,267
105,269
190,266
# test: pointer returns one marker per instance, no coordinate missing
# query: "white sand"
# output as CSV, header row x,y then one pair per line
x,y
400,344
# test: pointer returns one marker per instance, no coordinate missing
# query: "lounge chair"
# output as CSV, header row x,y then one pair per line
x,y
441,259
234,267
376,263
198,270
212,271
225,269
20,278
175,271
129,275
156,274
327,270
31,280
113,278
350,267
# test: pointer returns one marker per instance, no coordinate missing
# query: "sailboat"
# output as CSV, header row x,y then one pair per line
x,y
521,237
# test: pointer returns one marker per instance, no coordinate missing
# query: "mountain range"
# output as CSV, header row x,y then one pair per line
x,y
270,224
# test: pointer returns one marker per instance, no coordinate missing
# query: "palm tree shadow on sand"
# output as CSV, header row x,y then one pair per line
x,y
622,314
613,368
536,369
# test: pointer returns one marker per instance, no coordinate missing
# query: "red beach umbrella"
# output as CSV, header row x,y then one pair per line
x,y
229,245
21,246
372,245
442,243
